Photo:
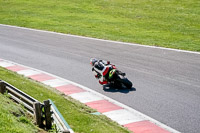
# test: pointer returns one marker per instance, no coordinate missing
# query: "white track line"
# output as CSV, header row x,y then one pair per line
x,y
133,44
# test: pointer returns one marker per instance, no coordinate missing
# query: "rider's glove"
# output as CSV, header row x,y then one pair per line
x,y
96,76
99,76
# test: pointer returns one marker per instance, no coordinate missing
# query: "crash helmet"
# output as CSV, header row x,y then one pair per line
x,y
92,61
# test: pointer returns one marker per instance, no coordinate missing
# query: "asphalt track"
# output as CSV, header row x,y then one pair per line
x,y
166,82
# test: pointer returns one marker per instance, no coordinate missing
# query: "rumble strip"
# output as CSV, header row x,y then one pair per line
x,y
120,113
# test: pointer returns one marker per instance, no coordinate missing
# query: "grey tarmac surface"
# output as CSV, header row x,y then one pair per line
x,y
166,82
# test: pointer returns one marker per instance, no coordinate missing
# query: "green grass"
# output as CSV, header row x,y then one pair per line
x,y
76,114
13,118
166,23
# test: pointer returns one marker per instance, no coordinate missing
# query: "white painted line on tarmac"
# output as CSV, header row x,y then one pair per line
x,y
90,38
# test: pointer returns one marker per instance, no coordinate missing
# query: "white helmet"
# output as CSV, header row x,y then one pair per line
x,y
92,61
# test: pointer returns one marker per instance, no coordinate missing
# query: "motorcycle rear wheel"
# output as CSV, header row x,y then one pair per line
x,y
125,82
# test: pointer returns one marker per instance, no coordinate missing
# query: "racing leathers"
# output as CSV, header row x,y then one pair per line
x,y
100,70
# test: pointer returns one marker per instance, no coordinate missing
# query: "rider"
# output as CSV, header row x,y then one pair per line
x,y
100,69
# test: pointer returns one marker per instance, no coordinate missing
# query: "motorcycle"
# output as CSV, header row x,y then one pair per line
x,y
117,79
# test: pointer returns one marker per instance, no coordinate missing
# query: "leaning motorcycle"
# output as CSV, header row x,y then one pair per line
x,y
117,79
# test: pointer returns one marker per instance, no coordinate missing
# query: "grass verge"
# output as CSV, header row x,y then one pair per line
x,y
76,114
166,23
13,118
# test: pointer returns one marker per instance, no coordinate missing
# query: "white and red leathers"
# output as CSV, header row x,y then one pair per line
x,y
100,69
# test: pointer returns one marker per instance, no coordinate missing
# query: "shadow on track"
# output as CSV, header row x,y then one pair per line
x,y
108,88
